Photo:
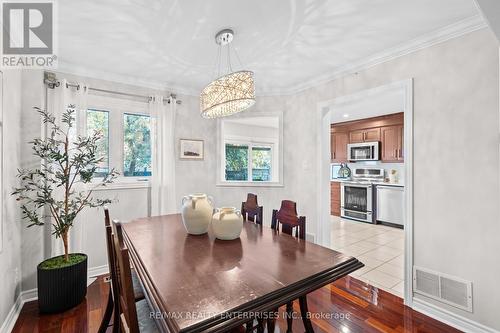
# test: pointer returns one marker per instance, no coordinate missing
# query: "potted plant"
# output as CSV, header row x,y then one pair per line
x,y
66,162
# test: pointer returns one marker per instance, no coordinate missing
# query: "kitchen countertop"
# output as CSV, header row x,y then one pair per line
x,y
373,183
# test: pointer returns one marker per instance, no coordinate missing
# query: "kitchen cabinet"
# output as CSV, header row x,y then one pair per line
x,y
335,198
392,143
338,145
364,135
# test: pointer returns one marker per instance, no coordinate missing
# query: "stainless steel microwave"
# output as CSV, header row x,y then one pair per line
x,y
365,151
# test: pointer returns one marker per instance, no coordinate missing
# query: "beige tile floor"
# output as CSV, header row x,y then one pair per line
x,y
379,247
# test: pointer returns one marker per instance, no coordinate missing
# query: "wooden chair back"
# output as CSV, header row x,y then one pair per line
x,y
288,218
125,299
111,262
250,209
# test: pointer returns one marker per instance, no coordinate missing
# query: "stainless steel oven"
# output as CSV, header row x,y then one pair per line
x,y
356,201
366,151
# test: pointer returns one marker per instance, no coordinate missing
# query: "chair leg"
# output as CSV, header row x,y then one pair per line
x,y
305,314
107,314
116,317
289,317
260,326
249,327
270,323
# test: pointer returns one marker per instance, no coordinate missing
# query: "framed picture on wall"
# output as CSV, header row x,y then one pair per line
x,y
191,149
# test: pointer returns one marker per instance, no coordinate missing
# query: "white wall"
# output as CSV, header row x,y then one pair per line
x,y
10,255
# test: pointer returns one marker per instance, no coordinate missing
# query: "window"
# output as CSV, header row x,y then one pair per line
x,y
126,136
98,122
136,145
250,151
261,164
236,162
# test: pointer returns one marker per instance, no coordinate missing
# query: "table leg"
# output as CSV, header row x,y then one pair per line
x,y
305,312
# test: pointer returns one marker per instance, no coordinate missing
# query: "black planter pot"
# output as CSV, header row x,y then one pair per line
x,y
62,288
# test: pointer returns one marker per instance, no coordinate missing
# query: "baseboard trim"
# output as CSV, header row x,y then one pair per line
x,y
99,270
450,318
32,294
310,237
11,319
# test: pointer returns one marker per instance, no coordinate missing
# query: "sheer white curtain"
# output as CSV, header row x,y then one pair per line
x,y
163,199
58,100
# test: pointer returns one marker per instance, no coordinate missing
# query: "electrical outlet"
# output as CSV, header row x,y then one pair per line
x,y
16,275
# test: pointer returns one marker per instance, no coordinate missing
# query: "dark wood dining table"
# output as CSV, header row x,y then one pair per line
x,y
202,284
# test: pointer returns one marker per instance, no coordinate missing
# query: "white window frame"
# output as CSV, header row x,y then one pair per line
x,y
251,144
1,162
277,160
117,108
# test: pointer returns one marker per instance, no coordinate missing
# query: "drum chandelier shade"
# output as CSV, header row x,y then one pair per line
x,y
227,95
230,93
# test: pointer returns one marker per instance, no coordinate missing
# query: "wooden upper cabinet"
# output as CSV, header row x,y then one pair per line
x,y
392,143
372,134
338,144
364,135
357,136
401,136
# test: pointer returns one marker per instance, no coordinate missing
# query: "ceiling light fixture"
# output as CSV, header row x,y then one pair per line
x,y
346,115
230,93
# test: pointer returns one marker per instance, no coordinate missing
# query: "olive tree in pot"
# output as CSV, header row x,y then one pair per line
x,y
51,191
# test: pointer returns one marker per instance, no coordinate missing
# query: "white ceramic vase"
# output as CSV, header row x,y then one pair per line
x,y
197,210
227,223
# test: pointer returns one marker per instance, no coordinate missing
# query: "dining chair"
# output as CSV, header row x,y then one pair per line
x,y
112,304
135,317
290,221
250,209
288,218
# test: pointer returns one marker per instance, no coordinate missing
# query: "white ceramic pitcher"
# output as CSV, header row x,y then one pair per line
x,y
227,223
197,212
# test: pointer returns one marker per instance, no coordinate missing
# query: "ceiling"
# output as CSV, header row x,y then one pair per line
x,y
170,43
374,105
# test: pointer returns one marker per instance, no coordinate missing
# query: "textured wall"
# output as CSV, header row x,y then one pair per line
x,y
10,255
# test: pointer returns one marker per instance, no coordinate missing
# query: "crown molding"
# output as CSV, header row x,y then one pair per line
x,y
73,69
444,34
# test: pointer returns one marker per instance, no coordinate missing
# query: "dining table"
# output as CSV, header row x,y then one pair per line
x,y
197,283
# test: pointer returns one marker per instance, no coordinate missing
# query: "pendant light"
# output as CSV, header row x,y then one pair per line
x,y
231,93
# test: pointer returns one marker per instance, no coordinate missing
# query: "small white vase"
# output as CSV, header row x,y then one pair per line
x,y
227,223
197,212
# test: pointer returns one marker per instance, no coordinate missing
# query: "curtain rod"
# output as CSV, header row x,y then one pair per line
x,y
52,82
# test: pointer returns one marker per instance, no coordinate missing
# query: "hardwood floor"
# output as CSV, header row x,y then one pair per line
x,y
346,306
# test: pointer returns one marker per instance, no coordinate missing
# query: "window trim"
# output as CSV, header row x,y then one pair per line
x,y
220,157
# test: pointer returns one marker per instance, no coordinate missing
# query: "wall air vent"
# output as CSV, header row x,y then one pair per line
x,y
442,287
